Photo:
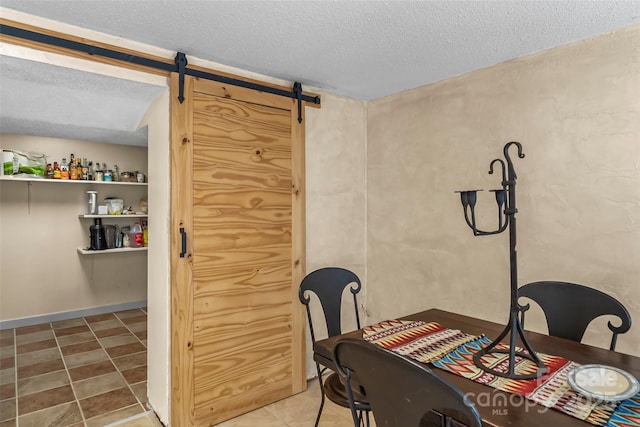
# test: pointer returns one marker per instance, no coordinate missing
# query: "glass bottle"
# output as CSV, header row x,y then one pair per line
x,y
56,170
73,171
115,174
99,173
79,167
49,171
85,170
64,169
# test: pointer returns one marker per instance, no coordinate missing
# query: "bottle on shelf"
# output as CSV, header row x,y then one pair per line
x,y
145,233
56,171
64,169
99,173
136,238
72,161
85,170
73,171
92,171
78,168
115,176
49,171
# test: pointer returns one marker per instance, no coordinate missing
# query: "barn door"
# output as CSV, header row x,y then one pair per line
x,y
238,207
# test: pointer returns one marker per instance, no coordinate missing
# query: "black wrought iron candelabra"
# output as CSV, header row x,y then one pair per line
x,y
506,201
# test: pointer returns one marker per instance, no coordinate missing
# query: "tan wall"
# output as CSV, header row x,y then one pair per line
x,y
336,195
576,110
40,270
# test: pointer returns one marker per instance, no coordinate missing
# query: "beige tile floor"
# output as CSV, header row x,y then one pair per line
x,y
296,411
92,372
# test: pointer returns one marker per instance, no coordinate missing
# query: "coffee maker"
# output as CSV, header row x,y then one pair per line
x,y
97,236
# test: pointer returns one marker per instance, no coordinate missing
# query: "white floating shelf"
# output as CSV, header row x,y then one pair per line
x,y
114,216
66,181
84,251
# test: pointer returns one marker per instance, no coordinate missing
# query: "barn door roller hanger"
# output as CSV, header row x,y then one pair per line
x,y
179,66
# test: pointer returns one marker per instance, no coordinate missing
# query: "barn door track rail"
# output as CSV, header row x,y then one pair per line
x,y
179,66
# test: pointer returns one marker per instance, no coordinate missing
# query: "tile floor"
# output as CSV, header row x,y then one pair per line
x,y
297,411
92,372
89,371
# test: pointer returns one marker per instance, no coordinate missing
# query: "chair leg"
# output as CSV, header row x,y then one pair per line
x,y
363,418
321,394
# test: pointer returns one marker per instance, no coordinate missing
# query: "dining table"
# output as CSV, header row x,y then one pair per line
x,y
500,408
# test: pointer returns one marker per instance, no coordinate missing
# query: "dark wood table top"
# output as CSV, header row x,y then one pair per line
x,y
495,406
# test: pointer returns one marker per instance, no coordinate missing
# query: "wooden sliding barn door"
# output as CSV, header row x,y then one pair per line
x,y
237,188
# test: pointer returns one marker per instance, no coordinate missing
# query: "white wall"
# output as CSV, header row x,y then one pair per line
x,y
41,272
158,265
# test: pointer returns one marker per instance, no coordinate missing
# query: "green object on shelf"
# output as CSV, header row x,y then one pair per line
x,y
16,162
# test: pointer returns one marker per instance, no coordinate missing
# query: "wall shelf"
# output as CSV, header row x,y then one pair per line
x,y
10,178
85,251
113,216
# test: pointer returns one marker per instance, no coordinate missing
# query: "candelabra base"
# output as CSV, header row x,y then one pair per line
x,y
512,375
513,328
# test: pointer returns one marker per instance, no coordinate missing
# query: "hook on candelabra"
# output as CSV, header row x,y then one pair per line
x,y
504,176
512,171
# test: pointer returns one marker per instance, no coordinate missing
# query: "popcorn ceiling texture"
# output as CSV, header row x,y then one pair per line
x,y
361,49
51,101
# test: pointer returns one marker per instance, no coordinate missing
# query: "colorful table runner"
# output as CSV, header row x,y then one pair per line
x,y
453,350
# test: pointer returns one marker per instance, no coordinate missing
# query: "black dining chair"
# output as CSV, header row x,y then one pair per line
x,y
569,308
328,284
402,392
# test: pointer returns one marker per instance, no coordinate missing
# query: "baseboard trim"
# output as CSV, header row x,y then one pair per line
x,y
66,315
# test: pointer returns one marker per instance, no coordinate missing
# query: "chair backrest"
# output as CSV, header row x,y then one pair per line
x,y
328,284
569,308
401,391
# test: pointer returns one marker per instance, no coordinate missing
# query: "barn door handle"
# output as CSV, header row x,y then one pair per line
x,y
183,235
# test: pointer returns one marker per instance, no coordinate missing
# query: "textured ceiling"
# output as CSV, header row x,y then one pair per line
x,y
361,49
45,100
